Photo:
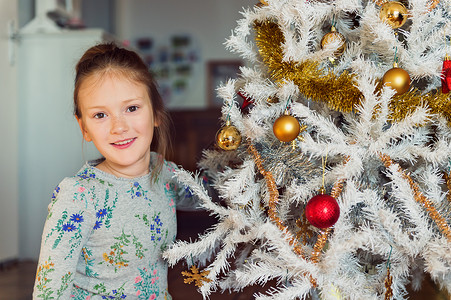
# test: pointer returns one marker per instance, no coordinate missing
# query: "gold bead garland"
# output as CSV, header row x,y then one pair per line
x,y
420,198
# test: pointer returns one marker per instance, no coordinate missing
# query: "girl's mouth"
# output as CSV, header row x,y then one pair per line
x,y
123,144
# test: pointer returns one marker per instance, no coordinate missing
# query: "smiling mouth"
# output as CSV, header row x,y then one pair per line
x,y
124,143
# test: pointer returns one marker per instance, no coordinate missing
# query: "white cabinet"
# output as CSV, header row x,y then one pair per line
x,y
50,142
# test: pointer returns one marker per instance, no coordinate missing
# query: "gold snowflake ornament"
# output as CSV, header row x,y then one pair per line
x,y
195,276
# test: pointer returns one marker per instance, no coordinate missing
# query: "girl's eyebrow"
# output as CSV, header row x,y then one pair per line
x,y
125,101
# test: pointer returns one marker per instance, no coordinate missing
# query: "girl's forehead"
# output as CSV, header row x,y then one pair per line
x,y
91,83
110,88
97,78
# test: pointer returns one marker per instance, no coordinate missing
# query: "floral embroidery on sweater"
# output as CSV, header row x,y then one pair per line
x,y
68,227
146,284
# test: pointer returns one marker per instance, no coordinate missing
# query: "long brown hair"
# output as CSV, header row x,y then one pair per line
x,y
105,58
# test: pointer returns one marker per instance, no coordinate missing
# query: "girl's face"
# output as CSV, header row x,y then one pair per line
x,y
117,117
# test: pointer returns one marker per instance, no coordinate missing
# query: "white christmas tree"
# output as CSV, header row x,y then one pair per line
x,y
335,180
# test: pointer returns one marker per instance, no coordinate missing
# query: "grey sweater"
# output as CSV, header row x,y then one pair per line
x,y
104,236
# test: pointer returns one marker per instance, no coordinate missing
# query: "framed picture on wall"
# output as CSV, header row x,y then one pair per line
x,y
219,71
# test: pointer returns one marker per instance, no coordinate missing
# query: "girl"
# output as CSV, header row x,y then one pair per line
x,y
108,225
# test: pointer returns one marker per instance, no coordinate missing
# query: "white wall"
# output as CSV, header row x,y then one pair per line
x,y
208,22
9,246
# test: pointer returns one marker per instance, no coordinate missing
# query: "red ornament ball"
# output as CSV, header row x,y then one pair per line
x,y
322,211
446,75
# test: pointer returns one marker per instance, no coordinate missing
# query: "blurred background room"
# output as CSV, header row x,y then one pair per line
x,y
41,40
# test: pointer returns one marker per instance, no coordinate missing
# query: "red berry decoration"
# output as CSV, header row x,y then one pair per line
x,y
246,101
322,211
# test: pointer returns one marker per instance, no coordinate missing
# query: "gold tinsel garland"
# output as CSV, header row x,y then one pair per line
x,y
274,199
447,178
388,283
338,92
319,245
304,233
272,212
433,4
420,198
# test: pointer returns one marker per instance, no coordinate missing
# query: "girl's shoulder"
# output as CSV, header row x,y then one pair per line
x,y
86,184
168,168
69,190
80,180
80,183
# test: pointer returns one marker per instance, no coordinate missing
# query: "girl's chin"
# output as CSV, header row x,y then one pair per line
x,y
127,164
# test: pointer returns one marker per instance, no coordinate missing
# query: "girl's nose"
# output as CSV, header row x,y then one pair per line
x,y
119,125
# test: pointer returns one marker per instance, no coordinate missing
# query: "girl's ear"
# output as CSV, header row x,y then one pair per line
x,y
156,123
83,131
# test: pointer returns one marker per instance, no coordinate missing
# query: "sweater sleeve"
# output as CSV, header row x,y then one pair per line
x,y
185,199
66,230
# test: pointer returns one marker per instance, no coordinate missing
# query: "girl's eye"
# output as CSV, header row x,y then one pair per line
x,y
99,115
132,108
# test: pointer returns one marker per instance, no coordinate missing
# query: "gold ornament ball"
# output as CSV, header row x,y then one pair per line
x,y
286,128
228,137
394,13
331,37
398,79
